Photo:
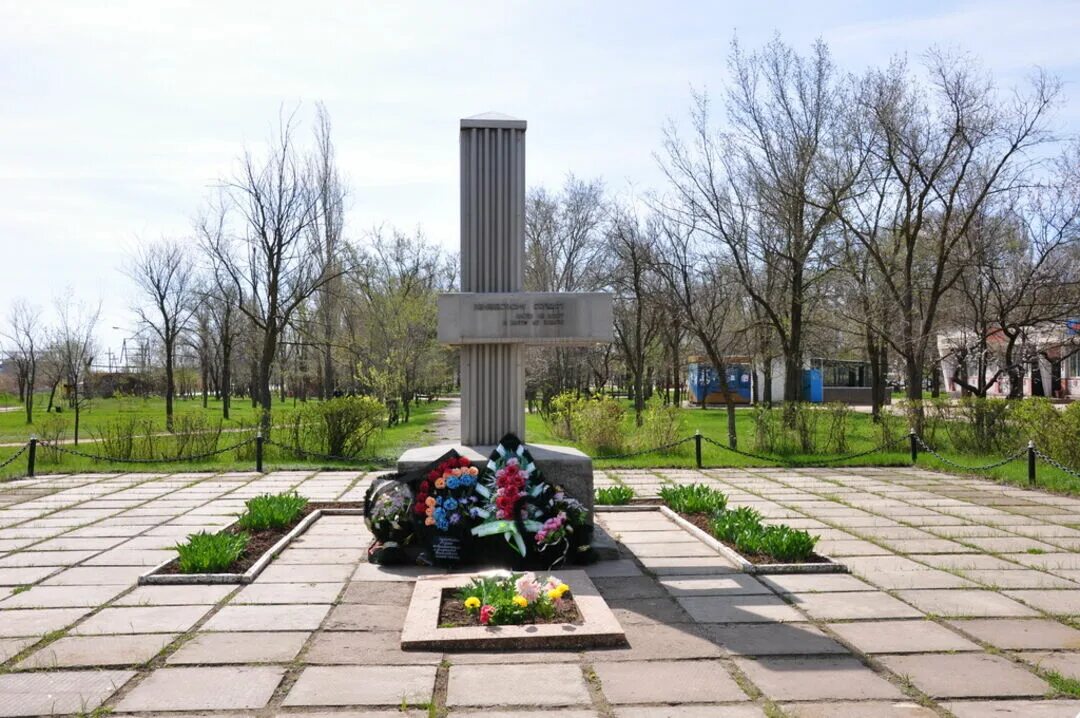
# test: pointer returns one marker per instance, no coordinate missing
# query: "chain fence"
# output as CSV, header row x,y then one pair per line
x,y
11,459
61,448
917,444
1015,456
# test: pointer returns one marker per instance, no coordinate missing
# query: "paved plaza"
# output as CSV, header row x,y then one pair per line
x,y
961,602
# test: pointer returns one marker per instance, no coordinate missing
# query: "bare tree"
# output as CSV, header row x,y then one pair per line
x,y
75,349
24,332
272,262
328,226
937,156
563,249
630,248
706,293
165,275
768,188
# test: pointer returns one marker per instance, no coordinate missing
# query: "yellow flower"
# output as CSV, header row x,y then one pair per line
x,y
472,602
561,589
520,601
553,594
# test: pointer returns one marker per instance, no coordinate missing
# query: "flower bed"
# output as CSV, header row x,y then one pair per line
x,y
258,547
581,620
513,600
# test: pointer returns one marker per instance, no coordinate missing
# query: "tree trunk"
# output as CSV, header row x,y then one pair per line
x,y
52,396
170,385
30,381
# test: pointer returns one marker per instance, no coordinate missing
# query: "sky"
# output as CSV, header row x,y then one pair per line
x,y
117,119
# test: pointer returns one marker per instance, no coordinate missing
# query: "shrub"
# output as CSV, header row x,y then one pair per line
x,y
661,426
693,499
210,553
982,426
598,425
767,430
271,511
52,429
614,495
805,417
344,426
559,413
837,416
194,434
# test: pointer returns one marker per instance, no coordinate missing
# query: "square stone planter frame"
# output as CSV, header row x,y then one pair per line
x,y
599,627
731,554
155,576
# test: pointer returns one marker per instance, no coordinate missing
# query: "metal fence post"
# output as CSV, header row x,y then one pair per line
x,y
912,436
259,452
31,457
1031,463
697,447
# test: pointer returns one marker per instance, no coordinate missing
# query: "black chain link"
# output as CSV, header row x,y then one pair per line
x,y
812,462
330,457
173,460
1057,464
985,467
17,454
654,450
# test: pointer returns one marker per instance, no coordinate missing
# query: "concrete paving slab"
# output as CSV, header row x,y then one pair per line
x,y
246,647
362,686
213,688
57,692
667,682
527,685
831,678
966,675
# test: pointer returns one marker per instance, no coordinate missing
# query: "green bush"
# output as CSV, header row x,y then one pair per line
x,y
982,426
767,431
210,553
661,425
194,434
598,425
805,418
614,495
559,413
341,427
693,499
271,511
837,417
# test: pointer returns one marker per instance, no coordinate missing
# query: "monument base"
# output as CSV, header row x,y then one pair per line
x,y
562,465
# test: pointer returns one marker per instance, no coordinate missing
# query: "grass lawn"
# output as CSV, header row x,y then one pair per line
x,y
863,435
382,452
99,412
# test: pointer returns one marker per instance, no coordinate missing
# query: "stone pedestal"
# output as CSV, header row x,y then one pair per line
x,y
562,465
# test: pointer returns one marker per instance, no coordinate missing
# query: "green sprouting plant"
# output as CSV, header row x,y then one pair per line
x,y
614,495
742,528
728,525
693,499
786,544
271,511
210,553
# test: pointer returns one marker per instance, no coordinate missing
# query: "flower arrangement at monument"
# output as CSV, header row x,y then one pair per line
x,y
510,599
505,513
532,516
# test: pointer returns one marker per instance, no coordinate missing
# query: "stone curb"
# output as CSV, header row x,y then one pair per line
x,y
154,578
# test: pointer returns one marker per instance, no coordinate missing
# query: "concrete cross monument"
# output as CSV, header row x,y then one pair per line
x,y
492,319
